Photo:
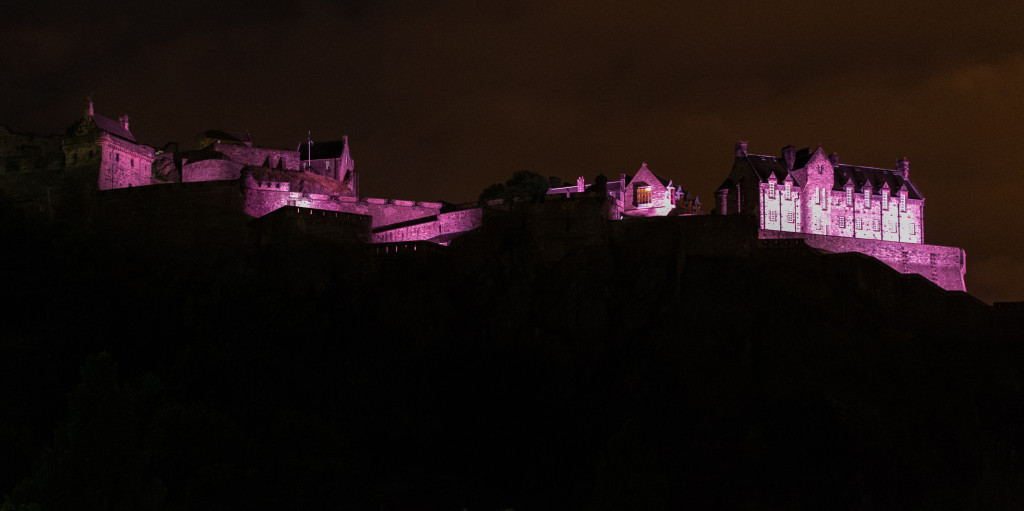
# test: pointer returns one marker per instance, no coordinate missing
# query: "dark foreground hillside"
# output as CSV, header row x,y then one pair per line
x,y
618,375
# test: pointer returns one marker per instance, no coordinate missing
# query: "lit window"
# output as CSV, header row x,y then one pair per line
x,y
849,196
643,195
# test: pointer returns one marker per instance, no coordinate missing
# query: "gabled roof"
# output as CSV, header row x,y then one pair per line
x,y
113,127
763,166
643,168
876,178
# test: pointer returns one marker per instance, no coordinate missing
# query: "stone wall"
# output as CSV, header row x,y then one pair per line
x,y
945,266
178,215
263,197
304,226
259,157
431,228
211,170
22,152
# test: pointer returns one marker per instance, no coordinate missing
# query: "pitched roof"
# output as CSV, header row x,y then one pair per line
x,y
876,178
113,127
664,182
763,166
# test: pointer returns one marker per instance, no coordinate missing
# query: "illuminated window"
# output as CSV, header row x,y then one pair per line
x,y
903,202
643,195
849,196
885,199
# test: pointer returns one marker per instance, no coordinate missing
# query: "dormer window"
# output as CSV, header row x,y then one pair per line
x,y
867,198
789,191
903,202
885,200
849,196
771,191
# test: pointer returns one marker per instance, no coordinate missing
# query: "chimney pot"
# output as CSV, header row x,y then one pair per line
x,y
833,159
124,120
903,167
580,184
741,148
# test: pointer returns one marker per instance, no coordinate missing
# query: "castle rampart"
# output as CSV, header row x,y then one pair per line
x,y
945,266
435,228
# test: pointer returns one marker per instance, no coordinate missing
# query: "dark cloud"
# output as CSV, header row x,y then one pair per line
x,y
442,99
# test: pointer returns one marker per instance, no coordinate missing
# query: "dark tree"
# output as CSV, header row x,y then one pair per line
x,y
524,185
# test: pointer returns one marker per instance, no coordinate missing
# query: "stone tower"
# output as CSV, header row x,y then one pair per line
x,y
107,147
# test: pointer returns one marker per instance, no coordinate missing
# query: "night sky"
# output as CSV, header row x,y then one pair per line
x,y
440,101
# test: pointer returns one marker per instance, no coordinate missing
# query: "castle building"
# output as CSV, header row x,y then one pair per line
x,y
643,195
96,140
808,192
330,159
837,208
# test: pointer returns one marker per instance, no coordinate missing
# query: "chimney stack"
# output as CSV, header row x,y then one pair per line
x,y
124,120
903,167
789,155
580,184
741,148
89,110
833,159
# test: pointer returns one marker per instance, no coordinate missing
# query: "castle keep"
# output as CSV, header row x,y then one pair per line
x,y
839,208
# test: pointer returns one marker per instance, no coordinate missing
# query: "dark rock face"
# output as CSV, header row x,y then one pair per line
x,y
531,364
